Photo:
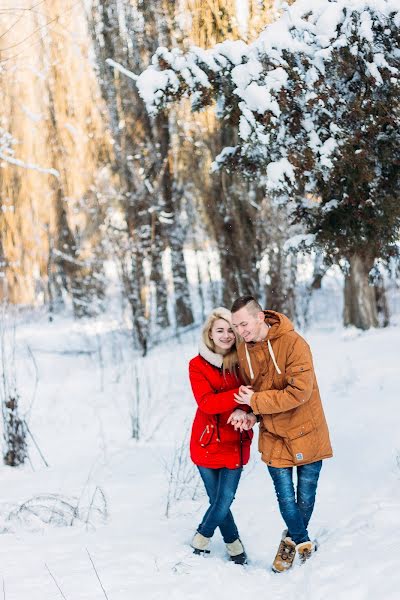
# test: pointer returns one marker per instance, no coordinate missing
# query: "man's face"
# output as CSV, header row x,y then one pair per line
x,y
247,324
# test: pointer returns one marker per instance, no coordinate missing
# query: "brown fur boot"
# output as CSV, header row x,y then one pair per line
x,y
305,551
285,556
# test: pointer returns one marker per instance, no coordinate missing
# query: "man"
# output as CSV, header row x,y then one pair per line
x,y
282,391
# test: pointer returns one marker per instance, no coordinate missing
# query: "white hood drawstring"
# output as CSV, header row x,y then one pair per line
x,y
249,362
272,355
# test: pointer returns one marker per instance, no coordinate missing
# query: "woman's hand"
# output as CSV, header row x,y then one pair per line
x,y
242,421
237,418
250,421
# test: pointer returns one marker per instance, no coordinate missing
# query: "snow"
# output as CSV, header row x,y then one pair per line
x,y
301,239
80,418
234,51
258,98
242,75
278,171
153,81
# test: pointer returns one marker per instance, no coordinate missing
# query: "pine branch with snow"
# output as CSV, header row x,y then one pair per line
x,y
315,104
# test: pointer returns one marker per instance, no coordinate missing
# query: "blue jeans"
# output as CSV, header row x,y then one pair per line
x,y
296,512
221,485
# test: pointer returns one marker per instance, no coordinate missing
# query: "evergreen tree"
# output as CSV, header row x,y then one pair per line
x,y
315,102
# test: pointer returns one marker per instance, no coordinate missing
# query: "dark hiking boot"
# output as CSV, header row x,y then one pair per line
x,y
237,553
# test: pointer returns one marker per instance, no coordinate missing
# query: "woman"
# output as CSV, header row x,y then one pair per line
x,y
216,448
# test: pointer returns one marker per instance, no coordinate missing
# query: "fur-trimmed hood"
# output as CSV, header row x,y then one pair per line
x,y
212,357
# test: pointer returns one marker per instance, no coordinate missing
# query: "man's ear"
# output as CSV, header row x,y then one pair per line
x,y
260,316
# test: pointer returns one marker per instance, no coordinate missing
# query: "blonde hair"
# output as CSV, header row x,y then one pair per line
x,y
230,359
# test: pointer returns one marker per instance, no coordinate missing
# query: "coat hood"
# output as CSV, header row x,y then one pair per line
x,y
212,357
278,324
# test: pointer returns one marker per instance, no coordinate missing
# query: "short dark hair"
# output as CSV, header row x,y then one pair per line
x,y
244,301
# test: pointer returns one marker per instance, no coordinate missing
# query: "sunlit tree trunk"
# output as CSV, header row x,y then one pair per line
x,y
225,198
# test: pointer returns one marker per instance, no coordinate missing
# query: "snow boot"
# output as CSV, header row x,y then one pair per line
x,y
237,552
306,550
285,555
200,544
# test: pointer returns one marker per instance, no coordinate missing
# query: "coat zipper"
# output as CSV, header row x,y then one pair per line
x,y
206,430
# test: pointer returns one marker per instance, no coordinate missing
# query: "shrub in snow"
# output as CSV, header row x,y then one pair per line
x,y
182,476
315,101
59,511
15,448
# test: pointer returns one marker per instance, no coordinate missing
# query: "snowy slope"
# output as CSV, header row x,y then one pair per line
x,y
81,420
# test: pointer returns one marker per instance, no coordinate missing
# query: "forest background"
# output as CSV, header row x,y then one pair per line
x,y
92,187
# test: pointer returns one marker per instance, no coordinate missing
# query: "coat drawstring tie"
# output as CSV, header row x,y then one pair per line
x,y
249,362
272,355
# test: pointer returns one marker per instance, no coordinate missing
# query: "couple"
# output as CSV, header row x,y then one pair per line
x,y
252,366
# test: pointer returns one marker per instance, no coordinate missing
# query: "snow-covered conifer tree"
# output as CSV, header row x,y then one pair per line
x,y
315,101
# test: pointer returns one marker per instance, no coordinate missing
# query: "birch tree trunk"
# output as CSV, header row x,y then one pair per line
x,y
129,33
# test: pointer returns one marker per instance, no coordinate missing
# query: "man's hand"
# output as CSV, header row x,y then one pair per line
x,y
244,395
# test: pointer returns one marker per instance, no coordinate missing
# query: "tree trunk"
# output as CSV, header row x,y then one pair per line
x,y
226,199
169,211
381,302
280,291
157,276
360,303
183,309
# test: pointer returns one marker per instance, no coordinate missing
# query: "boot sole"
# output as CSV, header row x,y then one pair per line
x,y
280,572
240,559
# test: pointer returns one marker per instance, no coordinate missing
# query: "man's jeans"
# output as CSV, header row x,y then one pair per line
x,y
221,486
296,512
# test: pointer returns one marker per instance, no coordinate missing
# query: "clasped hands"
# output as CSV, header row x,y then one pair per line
x,y
241,420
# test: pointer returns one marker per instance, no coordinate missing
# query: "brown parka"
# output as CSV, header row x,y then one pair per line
x,y
293,429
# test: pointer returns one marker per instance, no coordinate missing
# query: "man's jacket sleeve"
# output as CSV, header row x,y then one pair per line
x,y
210,401
299,376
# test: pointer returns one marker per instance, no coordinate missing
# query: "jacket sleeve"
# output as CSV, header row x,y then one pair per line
x,y
299,375
209,401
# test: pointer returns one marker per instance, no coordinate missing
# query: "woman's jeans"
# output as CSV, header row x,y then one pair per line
x,y
221,486
296,512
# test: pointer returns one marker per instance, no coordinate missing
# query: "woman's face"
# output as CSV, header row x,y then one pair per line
x,y
222,335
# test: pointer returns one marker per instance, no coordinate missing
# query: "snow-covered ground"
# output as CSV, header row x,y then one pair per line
x,y
82,379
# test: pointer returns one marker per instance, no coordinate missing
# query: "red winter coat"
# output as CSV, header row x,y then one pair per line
x,y
214,443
